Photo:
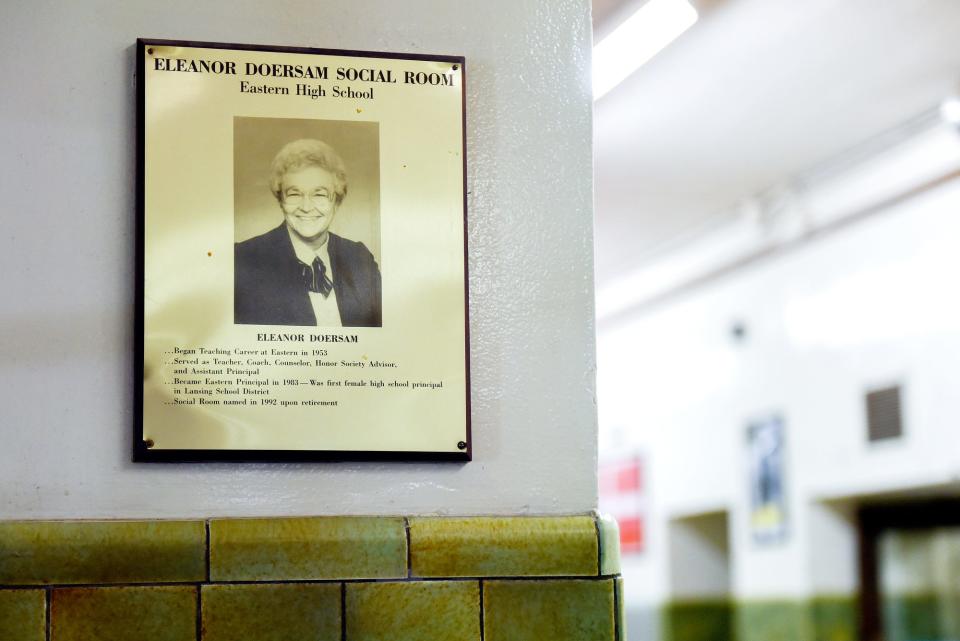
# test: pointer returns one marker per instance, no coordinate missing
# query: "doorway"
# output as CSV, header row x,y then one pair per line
x,y
910,571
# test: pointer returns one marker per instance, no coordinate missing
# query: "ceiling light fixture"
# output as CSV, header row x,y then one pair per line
x,y
950,110
641,36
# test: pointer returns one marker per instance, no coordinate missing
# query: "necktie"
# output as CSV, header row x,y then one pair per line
x,y
315,277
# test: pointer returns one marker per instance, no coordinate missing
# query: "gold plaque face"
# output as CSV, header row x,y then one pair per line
x,y
302,256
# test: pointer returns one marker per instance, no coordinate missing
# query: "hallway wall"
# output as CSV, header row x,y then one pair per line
x,y
67,130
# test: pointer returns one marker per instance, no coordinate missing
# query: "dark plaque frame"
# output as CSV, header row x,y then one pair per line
x,y
142,450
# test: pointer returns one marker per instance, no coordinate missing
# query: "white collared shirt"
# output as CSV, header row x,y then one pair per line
x,y
324,309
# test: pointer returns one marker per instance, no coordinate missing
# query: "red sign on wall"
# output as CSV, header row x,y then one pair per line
x,y
622,496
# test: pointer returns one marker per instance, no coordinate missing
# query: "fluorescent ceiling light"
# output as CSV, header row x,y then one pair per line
x,y
641,36
950,110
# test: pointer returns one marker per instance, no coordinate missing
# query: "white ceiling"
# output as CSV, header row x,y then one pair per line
x,y
756,91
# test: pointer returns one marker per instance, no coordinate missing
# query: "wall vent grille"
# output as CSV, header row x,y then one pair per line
x,y
884,414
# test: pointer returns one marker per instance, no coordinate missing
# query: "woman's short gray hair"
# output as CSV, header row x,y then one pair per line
x,y
308,152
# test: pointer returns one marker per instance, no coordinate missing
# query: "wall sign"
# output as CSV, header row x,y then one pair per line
x,y
302,272
768,492
623,495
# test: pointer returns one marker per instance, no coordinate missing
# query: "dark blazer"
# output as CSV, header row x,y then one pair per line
x,y
269,290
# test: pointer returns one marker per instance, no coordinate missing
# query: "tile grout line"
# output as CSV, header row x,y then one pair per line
x,y
596,527
48,602
482,624
406,530
199,614
430,579
343,611
206,527
616,611
127,584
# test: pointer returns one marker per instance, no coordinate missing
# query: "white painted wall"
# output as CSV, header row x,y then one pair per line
x,y
66,368
699,556
872,303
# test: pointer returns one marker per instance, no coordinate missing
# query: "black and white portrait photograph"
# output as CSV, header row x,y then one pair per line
x,y
306,223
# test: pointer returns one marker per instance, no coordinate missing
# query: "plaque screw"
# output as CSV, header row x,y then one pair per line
x,y
148,442
462,445
150,50
455,67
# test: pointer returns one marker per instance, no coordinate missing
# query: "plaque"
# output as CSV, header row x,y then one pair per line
x,y
301,255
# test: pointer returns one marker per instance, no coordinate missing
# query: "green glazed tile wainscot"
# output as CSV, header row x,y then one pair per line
x,y
621,609
820,618
276,579
271,612
835,617
159,613
762,620
101,552
609,545
313,548
413,611
503,546
554,609
23,615
698,620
